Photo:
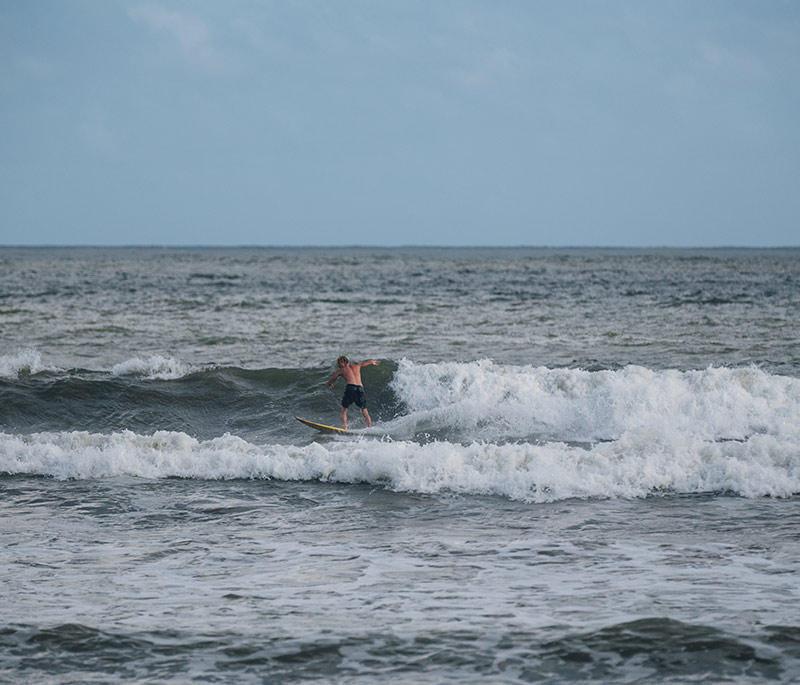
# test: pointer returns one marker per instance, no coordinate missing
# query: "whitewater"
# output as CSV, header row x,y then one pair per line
x,y
526,433
585,464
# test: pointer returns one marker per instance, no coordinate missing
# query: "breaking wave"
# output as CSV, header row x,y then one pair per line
x,y
479,428
759,466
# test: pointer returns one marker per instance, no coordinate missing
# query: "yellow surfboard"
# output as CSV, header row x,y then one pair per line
x,y
322,427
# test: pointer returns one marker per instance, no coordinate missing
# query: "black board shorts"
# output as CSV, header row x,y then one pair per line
x,y
354,393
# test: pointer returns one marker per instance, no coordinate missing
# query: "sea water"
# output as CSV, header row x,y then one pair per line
x,y
585,465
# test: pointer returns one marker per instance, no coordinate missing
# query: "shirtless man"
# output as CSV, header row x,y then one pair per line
x,y
354,392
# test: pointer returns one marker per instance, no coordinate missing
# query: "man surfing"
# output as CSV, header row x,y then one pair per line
x,y
354,392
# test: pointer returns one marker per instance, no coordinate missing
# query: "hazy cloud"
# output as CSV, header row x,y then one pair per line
x,y
493,66
100,136
188,33
36,66
734,64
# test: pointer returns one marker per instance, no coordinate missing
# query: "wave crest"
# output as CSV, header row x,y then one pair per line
x,y
25,361
155,367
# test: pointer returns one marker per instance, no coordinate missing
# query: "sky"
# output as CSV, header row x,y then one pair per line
x,y
400,122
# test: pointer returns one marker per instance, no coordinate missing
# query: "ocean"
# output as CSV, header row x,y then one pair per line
x,y
584,466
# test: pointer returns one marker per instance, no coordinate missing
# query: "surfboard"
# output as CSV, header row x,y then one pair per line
x,y
322,427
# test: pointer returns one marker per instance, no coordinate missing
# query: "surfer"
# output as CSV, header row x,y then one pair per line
x,y
354,392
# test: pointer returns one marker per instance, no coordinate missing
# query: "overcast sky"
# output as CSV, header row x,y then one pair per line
x,y
377,122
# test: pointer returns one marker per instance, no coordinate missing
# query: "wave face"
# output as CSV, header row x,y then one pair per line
x,y
165,394
479,428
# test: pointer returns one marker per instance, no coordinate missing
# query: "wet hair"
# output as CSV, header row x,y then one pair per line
x,y
343,359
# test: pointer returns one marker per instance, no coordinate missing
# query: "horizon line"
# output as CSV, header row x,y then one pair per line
x,y
355,246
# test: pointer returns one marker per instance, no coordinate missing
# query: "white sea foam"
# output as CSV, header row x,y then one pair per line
x,y
487,401
633,466
23,361
155,367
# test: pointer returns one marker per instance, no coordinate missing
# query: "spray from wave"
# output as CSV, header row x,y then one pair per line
x,y
23,362
154,367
